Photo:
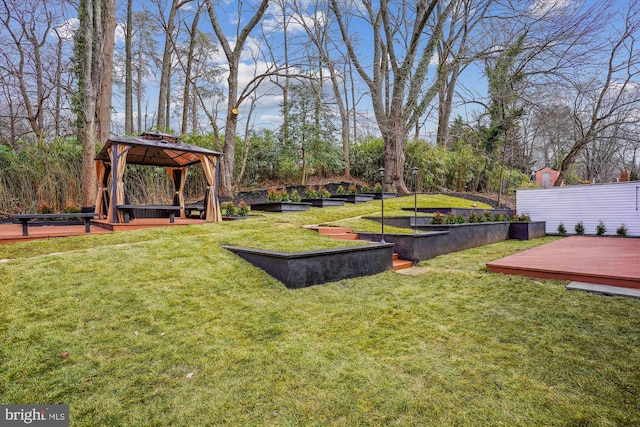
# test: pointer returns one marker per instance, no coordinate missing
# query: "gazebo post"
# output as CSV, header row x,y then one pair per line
x,y
114,183
216,204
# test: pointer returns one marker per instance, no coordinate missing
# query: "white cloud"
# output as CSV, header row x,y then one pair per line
x,y
272,119
545,7
120,33
67,29
296,23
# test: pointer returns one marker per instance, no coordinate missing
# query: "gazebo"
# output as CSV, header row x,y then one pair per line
x,y
154,149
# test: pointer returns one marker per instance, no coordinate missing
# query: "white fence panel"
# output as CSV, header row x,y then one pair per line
x,y
613,204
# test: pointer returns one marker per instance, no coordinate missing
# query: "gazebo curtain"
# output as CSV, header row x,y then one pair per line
x,y
178,177
103,170
121,163
212,206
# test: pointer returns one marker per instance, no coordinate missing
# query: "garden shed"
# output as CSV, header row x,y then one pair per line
x,y
154,149
615,204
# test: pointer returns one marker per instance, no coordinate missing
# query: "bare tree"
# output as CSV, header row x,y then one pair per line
x,y
609,99
142,52
94,50
456,51
187,68
317,26
233,58
128,95
26,59
403,45
169,25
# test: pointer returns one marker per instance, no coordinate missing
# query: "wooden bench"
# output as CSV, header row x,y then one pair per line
x,y
128,210
25,218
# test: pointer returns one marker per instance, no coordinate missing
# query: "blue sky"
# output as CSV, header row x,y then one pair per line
x,y
267,113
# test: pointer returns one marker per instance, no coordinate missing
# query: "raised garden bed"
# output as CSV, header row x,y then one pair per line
x,y
435,240
527,230
354,198
303,269
281,206
326,202
443,239
465,212
386,195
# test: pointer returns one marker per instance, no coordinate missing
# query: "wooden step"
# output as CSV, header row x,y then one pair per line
x,y
344,236
400,264
330,230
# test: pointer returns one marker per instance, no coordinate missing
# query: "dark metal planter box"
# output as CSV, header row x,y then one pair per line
x,y
303,269
395,221
386,194
527,230
354,198
281,206
443,239
463,211
324,203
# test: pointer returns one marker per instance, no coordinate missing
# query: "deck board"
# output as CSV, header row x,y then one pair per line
x,y
600,260
12,233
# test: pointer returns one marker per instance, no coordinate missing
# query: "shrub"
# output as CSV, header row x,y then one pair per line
x,y
561,229
524,217
310,193
454,219
352,189
579,228
274,195
44,208
323,193
243,208
377,188
622,231
498,217
438,218
340,191
229,209
473,218
295,196
601,229
71,209
284,196
365,188
486,217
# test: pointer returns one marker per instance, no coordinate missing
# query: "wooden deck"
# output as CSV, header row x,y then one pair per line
x,y
137,224
601,260
11,233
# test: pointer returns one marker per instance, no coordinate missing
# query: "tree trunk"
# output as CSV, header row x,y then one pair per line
x,y
128,88
231,124
233,57
165,74
88,90
96,36
139,88
105,76
395,141
187,74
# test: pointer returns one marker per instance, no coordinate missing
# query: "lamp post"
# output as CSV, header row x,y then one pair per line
x,y
381,171
414,172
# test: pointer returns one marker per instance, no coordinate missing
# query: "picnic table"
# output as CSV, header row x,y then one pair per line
x,y
26,218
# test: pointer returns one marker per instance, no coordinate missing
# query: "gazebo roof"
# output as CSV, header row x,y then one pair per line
x,y
157,149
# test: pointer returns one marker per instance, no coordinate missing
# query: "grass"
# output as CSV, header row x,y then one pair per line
x,y
163,327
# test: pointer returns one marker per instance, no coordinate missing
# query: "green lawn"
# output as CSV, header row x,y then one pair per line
x,y
164,327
